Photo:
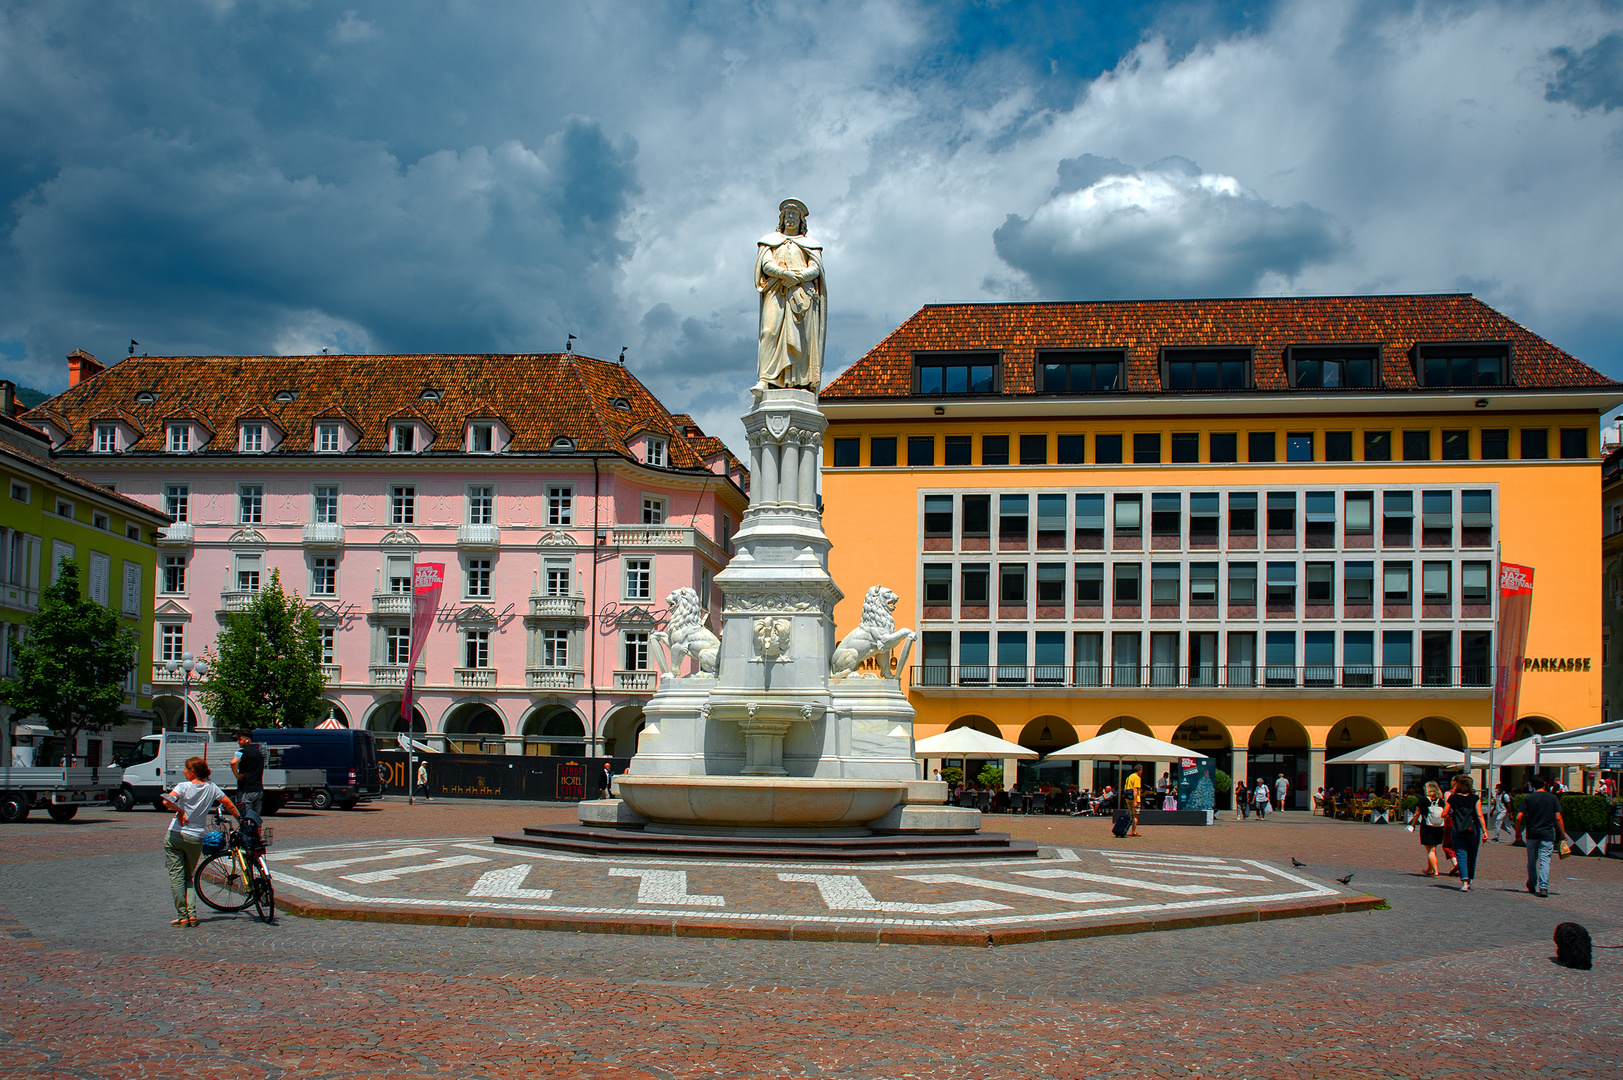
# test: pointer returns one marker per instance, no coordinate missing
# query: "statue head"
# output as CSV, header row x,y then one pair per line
x,y
792,217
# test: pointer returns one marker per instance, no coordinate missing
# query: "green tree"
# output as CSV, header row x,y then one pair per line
x,y
265,666
990,776
72,665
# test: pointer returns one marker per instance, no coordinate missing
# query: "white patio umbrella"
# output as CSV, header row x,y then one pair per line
x,y
1123,745
1608,736
966,742
1401,750
1523,753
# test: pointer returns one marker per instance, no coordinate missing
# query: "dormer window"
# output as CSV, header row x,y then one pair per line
x,y
563,444
621,403
326,438
253,438
653,452
106,438
405,439
145,397
285,397
180,439
481,438
430,394
1471,364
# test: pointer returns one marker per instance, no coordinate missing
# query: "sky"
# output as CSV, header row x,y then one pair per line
x,y
284,176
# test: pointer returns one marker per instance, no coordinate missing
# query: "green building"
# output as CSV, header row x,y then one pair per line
x,y
47,513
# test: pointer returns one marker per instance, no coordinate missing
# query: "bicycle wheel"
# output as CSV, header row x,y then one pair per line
x,y
222,884
264,891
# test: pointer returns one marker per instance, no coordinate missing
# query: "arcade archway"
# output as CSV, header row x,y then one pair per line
x,y
554,730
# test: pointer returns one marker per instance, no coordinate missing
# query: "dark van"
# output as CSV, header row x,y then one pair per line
x,y
349,757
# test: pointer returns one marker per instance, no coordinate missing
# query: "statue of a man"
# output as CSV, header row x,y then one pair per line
x,y
794,303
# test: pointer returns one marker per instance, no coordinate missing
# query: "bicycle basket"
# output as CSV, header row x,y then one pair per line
x,y
266,834
213,842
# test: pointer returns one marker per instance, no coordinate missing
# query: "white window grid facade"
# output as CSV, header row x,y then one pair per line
x,y
639,579
106,438
481,505
324,508
561,505
174,575
180,438
171,641
476,648
177,502
253,438
478,579
653,510
251,504
327,438
324,575
403,505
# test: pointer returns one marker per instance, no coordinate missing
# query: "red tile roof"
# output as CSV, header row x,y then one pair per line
x,y
1268,324
130,507
538,396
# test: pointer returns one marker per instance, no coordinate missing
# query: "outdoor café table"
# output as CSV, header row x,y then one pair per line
x,y
1025,802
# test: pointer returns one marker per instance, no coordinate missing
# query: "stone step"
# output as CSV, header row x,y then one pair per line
x,y
581,840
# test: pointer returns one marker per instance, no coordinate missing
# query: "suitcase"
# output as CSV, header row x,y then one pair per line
x,y
1124,821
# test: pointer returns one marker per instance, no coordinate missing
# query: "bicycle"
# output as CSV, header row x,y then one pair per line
x,y
237,878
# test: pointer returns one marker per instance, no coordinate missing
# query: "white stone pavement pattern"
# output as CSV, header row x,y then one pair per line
x,y
472,876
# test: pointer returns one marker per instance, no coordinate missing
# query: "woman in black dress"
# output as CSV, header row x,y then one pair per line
x,y
1431,814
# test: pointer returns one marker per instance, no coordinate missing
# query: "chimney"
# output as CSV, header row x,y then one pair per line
x,y
81,366
8,398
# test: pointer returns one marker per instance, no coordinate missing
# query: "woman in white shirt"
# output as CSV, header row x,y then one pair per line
x,y
191,800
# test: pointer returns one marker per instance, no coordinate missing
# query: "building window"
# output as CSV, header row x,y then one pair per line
x,y
1397,582
174,574
555,648
848,453
1456,446
1299,446
1225,447
180,438
1358,584
1185,447
106,438
1436,581
1166,517
994,449
1125,584
1397,519
1437,519
1333,366
1280,658
1090,584
253,438
1034,449
1321,583
1090,522
396,645
560,506
1011,590
653,511
1071,449
1242,584
1360,510
132,531
1147,448
1204,514
635,650
938,584
920,451
64,508
1205,369
1535,443
1099,372
882,451
1495,444
479,579
1417,446
1281,587
405,438
1165,584
326,505
1574,442
250,504
1107,449
1013,520
1202,584
397,570
481,438
1476,518
1051,584
100,521
324,576
956,373
1377,446
247,573
558,577
1482,364
481,506
654,452
476,649
19,492
1338,446
1261,446
938,515
639,579
171,641
1282,516
978,519
1321,519
958,449
1243,515
974,585
329,645
326,438
1474,578
403,506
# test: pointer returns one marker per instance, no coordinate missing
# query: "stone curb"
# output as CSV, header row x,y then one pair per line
x,y
700,927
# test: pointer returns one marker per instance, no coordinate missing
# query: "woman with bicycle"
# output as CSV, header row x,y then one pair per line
x,y
191,801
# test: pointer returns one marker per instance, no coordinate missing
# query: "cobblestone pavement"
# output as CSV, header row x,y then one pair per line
x,y
101,986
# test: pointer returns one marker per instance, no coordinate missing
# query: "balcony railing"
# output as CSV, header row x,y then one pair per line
x,y
330,672
323,534
1380,677
557,607
478,537
177,534
554,678
237,599
391,603
393,675
664,536
160,674
475,678
19,597
640,682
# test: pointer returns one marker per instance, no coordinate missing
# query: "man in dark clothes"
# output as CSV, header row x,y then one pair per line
x,y
248,765
1540,822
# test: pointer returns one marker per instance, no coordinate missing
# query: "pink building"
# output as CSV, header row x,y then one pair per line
x,y
564,500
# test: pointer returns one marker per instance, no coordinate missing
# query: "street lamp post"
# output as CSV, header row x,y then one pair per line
x,y
186,665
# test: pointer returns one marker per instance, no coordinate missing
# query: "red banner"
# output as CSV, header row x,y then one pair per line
x,y
427,579
1515,607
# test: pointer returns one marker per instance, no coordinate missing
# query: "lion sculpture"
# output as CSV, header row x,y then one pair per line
x,y
687,635
876,636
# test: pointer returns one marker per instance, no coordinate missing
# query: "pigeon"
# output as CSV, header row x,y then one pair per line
x,y
1345,880
1296,862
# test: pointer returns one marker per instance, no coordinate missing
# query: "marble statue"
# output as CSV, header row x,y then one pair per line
x,y
794,304
876,635
687,635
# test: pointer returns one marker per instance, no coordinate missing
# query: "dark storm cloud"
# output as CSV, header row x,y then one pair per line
x,y
1591,79
1169,229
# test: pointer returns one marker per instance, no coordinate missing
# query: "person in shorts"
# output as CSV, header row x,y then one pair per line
x,y
248,766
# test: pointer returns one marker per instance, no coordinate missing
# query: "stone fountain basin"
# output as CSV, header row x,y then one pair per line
x,y
760,801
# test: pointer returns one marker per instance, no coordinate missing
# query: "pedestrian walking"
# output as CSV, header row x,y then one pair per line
x,y
1432,813
1282,788
1501,813
1466,826
1259,798
1135,785
1242,800
191,800
1540,822
422,780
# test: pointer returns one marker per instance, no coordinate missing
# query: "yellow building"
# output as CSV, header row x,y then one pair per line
x,y
1266,529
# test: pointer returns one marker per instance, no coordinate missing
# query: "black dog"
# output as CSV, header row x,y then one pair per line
x,y
1572,946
